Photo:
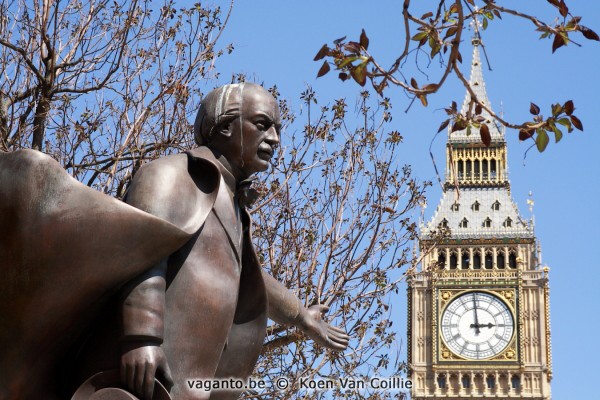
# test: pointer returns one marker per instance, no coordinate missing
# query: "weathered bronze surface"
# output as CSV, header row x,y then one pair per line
x,y
167,287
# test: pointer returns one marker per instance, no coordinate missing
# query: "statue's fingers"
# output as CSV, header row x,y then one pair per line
x,y
339,339
148,389
166,372
336,329
140,372
130,376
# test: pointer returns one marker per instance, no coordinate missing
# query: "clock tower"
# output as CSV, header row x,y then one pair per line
x,y
478,304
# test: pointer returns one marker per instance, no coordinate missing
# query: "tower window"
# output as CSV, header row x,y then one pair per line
x,y
476,169
515,382
441,381
489,261
464,260
477,260
466,381
441,259
453,260
493,169
469,169
484,167
464,223
512,260
487,223
500,260
491,382
455,207
475,206
461,169
444,223
507,222
496,206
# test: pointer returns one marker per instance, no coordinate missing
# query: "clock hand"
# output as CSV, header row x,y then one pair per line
x,y
488,325
476,324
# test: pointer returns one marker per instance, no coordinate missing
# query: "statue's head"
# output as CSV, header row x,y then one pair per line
x,y
240,121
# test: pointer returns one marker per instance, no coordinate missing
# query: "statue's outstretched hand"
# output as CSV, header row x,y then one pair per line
x,y
312,324
139,364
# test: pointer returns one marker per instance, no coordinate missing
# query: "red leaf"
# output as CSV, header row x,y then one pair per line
x,y
459,126
525,134
588,33
364,40
459,57
553,2
340,40
443,125
569,107
534,109
563,9
576,122
343,76
484,132
413,83
353,47
478,109
558,42
431,87
322,53
323,70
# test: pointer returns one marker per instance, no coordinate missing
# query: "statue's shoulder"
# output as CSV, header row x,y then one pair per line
x,y
180,188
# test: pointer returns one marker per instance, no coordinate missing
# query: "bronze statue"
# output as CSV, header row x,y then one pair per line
x,y
197,306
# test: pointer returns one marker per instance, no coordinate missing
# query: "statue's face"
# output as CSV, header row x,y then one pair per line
x,y
253,136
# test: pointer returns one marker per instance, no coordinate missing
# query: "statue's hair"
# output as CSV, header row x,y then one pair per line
x,y
217,109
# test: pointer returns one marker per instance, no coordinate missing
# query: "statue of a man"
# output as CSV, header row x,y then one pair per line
x,y
202,312
169,289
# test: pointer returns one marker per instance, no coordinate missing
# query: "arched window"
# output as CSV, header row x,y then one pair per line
x,y
441,259
464,223
512,260
461,169
466,381
464,259
491,382
496,206
484,167
476,260
469,169
476,169
500,260
507,222
487,223
475,206
493,169
441,381
453,260
515,382
489,261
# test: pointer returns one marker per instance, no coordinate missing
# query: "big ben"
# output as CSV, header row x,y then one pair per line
x,y
478,304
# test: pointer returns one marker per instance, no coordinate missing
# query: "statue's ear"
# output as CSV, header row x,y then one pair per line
x,y
223,129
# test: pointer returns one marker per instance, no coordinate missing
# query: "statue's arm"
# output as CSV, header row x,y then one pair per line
x,y
285,308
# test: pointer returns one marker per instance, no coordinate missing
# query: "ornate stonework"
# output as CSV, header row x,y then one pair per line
x,y
491,252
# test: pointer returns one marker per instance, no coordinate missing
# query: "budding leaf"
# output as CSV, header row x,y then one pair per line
x,y
588,33
322,53
484,132
576,122
323,70
558,42
569,107
359,74
525,134
364,40
534,109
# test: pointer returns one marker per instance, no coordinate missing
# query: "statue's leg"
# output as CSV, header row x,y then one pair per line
x,y
239,357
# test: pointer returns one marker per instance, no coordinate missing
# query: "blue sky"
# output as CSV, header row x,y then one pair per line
x,y
275,42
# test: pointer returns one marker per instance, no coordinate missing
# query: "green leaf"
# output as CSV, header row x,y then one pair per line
x,y
346,61
359,73
566,123
419,36
485,23
542,140
557,133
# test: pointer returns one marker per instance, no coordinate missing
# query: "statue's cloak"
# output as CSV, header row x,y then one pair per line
x,y
64,250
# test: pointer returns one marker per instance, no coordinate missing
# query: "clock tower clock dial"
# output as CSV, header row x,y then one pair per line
x,y
477,325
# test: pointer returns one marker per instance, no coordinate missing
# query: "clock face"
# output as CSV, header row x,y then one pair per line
x,y
477,325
